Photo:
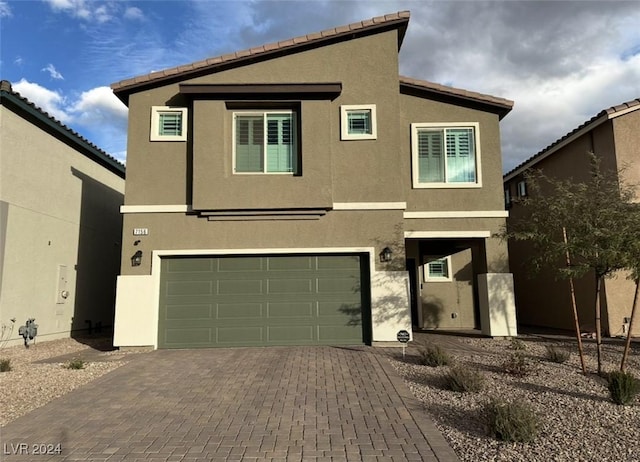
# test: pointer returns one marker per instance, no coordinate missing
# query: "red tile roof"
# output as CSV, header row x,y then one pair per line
x,y
397,20
590,124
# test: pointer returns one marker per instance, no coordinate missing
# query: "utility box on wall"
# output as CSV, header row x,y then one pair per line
x,y
62,293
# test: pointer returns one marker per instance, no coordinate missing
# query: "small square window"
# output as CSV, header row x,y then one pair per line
x,y
358,122
437,269
168,123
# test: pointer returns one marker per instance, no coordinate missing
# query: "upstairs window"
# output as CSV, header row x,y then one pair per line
x,y
168,123
522,188
358,122
445,155
265,142
507,197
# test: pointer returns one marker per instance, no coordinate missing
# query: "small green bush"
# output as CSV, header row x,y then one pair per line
x,y
464,379
5,365
623,387
517,344
433,356
517,364
557,355
75,364
511,421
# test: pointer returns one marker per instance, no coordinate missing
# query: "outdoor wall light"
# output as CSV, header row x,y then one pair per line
x,y
136,260
385,255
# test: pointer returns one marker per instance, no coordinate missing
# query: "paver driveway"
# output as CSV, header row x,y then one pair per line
x,y
289,403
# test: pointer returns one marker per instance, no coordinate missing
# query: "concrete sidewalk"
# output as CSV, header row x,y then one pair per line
x,y
266,404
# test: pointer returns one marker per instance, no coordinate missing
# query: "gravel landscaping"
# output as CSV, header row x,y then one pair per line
x,y
577,419
38,373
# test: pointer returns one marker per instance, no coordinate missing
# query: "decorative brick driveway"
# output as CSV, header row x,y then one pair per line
x,y
289,403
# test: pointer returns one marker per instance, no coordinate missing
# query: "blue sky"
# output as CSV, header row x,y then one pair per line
x,y
561,62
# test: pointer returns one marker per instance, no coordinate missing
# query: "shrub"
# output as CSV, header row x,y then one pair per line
x,y
557,355
433,355
5,365
75,364
516,364
511,421
517,344
464,379
623,387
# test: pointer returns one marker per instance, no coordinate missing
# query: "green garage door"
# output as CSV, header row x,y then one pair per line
x,y
259,301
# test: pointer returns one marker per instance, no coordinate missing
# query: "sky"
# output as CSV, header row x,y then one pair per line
x,y
560,62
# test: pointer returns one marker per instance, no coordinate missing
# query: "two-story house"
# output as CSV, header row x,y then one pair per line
x,y
543,301
302,192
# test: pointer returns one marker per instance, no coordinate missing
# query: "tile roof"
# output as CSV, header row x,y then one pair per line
x,y
99,155
397,20
586,126
457,92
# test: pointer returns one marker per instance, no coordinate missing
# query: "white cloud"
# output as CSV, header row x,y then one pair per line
x,y
133,13
50,101
99,106
5,10
53,72
97,113
19,61
76,8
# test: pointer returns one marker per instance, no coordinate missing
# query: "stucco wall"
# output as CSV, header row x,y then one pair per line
x,y
61,209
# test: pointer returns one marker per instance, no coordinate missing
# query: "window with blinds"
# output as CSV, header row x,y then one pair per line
x,y
358,122
444,155
168,123
265,142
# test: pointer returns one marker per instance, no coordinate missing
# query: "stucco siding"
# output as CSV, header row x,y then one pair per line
x,y
61,210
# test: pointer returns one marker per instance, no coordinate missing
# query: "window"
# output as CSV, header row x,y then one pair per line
x,y
507,197
437,269
358,122
445,155
522,188
168,123
265,142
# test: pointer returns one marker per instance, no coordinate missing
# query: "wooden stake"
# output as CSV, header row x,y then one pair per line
x,y
627,344
573,305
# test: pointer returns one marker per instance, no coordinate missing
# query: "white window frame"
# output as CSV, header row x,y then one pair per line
x,y
425,272
522,188
155,123
344,122
415,127
264,163
507,196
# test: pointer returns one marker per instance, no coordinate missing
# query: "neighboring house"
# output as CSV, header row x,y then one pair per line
x,y
302,192
614,136
60,226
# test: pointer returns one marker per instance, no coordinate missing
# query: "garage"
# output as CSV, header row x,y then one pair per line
x,y
230,301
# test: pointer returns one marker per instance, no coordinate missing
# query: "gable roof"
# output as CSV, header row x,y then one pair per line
x,y
598,119
46,122
500,106
371,26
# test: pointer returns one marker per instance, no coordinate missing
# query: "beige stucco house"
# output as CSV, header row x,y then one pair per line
x,y
614,136
60,226
302,192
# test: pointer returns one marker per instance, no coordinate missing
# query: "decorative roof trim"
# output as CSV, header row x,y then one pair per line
x,y
501,106
586,127
286,90
16,102
398,21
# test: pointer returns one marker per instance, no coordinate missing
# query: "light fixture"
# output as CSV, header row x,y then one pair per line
x,y
385,255
136,260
